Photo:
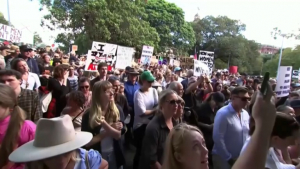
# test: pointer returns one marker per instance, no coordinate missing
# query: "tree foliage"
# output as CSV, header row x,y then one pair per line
x,y
173,30
3,20
290,57
113,21
224,36
36,39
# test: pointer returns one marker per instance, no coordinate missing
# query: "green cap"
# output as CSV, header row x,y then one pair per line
x,y
146,75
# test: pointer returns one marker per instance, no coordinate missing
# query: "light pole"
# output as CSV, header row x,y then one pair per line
x,y
8,14
275,33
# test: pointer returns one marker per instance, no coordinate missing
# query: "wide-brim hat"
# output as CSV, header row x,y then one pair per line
x,y
53,137
133,71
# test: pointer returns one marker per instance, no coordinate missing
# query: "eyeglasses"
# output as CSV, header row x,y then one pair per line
x,y
84,87
173,102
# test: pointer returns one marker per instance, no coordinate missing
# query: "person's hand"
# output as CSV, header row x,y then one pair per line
x,y
117,125
102,119
264,110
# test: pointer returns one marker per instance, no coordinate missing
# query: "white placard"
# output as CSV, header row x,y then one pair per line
x,y
92,60
106,50
15,35
283,81
124,57
207,57
295,74
200,68
147,53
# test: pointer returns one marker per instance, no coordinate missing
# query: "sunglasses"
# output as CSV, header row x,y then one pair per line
x,y
244,99
84,87
173,102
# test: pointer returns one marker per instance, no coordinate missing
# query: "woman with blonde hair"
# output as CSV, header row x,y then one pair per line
x,y
185,149
104,119
157,131
14,129
57,146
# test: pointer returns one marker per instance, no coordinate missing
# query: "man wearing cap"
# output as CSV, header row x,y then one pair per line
x,y
3,50
26,54
124,76
178,71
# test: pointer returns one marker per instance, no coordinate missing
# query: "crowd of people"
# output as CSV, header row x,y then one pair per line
x,y
54,115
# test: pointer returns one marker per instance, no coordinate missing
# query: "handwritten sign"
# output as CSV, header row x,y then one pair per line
x,y
200,68
283,81
147,53
124,57
10,34
207,58
105,51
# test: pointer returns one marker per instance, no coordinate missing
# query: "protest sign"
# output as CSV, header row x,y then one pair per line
x,y
295,74
176,63
207,57
105,50
283,81
200,68
92,60
14,35
124,57
147,53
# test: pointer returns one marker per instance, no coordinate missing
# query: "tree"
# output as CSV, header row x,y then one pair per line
x,y
113,21
36,39
290,57
3,20
173,30
223,36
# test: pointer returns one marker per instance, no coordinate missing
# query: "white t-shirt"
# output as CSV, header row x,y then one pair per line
x,y
272,160
143,102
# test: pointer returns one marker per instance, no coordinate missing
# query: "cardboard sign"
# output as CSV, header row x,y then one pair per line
x,y
124,57
207,57
10,34
74,48
105,51
283,81
147,53
200,68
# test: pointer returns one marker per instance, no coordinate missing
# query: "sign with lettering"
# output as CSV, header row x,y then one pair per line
x,y
283,81
10,34
200,68
105,51
207,57
147,54
295,74
124,57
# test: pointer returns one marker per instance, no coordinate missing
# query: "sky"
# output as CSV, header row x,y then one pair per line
x,y
260,16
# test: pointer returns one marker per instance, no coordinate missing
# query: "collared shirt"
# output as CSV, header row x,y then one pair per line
x,y
33,82
129,90
29,101
230,132
154,140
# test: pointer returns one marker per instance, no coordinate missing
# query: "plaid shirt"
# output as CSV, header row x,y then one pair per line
x,y
29,101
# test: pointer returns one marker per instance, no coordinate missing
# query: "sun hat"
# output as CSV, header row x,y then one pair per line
x,y
53,137
133,71
177,69
146,75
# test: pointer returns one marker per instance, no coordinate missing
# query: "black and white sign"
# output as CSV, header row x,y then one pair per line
x,y
295,74
207,57
283,81
104,50
200,68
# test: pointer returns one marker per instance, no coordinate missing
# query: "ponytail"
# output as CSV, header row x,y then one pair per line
x,y
10,140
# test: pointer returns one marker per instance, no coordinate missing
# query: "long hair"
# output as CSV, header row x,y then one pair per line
x,y
174,145
8,99
112,115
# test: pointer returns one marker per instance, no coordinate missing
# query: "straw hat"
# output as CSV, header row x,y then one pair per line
x,y
53,137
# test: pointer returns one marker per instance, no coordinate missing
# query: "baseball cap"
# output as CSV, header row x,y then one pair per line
x,y
146,75
25,48
177,69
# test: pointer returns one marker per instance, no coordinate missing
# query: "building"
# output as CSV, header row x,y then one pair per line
x,y
268,49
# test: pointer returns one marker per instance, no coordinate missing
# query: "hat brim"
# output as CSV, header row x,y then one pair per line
x,y
134,73
28,152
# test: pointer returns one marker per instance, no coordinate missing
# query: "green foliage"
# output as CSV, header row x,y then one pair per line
x,y
290,57
3,20
173,30
113,21
223,36
36,39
